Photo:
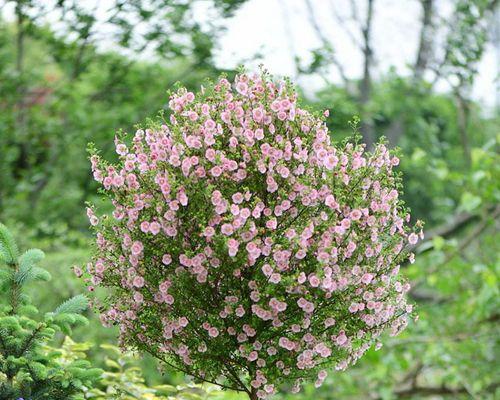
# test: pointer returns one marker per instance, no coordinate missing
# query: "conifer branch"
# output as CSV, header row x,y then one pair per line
x,y
8,247
75,305
30,340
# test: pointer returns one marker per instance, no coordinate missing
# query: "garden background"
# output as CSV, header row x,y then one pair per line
x,y
424,74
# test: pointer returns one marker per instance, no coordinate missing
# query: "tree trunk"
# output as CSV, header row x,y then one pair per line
x,y
20,106
424,54
367,129
324,41
463,122
425,43
253,394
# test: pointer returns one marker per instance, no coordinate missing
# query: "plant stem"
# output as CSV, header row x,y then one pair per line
x,y
15,290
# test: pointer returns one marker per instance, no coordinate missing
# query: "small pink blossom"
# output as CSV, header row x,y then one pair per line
x,y
213,332
137,248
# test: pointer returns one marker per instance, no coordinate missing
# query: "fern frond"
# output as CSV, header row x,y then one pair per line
x,y
8,246
75,305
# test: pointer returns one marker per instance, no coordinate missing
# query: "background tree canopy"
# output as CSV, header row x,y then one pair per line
x,y
74,72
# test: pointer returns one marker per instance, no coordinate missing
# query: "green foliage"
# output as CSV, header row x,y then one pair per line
x,y
63,93
71,100
424,126
27,369
123,379
451,351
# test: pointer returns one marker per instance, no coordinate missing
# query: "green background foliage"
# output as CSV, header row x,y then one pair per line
x,y
59,90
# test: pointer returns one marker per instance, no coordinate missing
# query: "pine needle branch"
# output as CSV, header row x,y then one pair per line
x,y
9,251
75,305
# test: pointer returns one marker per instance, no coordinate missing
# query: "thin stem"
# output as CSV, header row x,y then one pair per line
x,y
15,289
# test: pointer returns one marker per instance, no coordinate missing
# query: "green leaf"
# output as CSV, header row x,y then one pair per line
x,y
469,202
111,348
28,272
112,364
165,389
438,242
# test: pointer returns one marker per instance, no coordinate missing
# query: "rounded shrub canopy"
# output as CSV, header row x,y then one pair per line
x,y
244,248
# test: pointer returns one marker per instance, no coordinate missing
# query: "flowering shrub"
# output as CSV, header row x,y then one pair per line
x,y
244,248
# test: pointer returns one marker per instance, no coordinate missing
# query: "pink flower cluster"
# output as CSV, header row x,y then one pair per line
x,y
244,247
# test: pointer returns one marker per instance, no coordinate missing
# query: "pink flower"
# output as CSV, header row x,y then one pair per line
x,y
242,87
216,171
314,281
209,232
257,114
329,322
138,281
367,278
227,229
330,201
182,198
137,248
232,245
154,228
355,215
145,226
272,223
275,278
166,259
213,332
330,162
341,339
121,149
92,217
237,198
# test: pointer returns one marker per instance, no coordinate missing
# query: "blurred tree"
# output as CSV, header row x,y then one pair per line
x,y
59,90
453,61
